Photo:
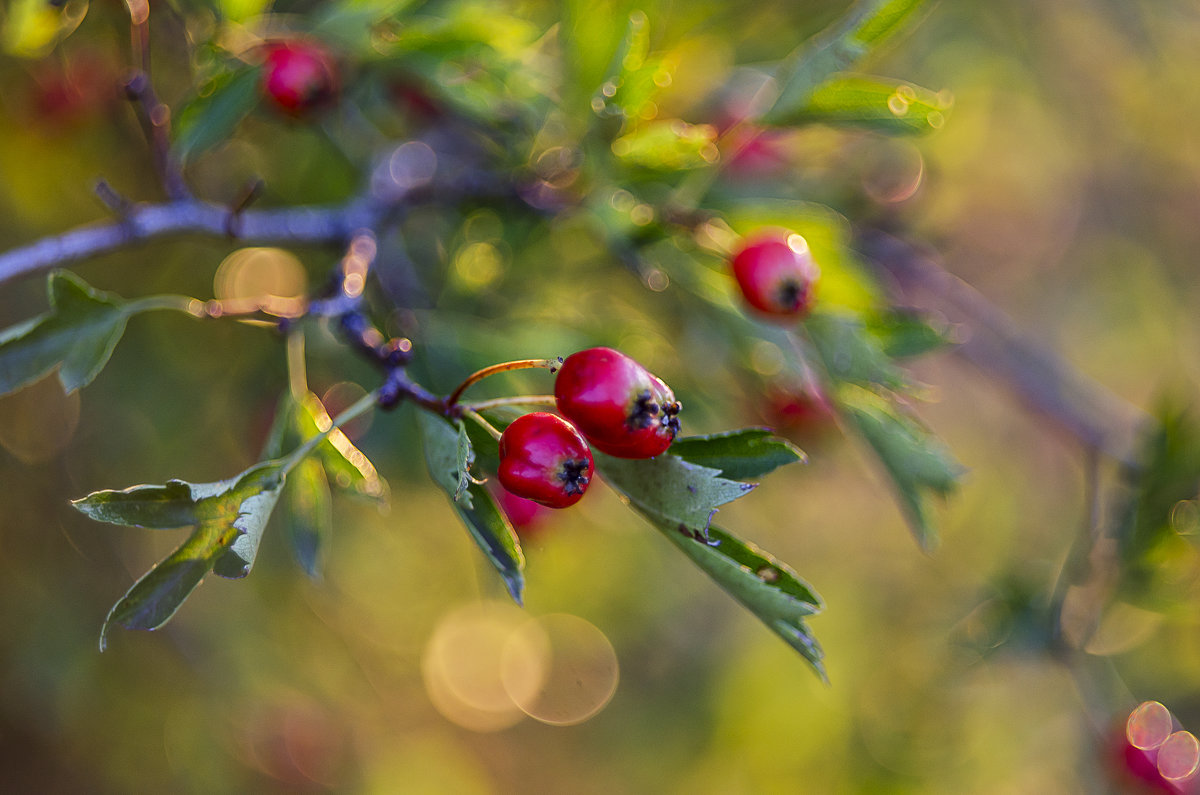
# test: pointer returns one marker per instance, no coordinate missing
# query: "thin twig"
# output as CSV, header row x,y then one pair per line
x,y
306,224
1095,416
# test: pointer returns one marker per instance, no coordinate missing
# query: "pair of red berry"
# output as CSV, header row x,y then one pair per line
x,y
610,401
776,273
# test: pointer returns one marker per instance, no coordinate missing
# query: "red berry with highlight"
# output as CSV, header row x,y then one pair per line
x,y
544,459
619,405
777,274
299,76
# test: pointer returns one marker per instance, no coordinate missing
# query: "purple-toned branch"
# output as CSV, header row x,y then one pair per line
x,y
1099,419
312,224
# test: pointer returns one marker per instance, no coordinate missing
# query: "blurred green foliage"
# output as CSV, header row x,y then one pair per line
x,y
1063,186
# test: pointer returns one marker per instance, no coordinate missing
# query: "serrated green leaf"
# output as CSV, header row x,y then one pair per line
x,y
836,49
229,518
671,490
904,334
309,515
249,504
211,117
449,463
77,335
159,507
741,454
918,463
762,583
887,106
850,354
484,521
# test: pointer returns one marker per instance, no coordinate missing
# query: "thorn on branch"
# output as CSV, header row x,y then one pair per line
x,y
114,201
247,196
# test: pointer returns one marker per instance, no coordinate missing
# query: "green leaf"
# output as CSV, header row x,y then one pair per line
x,y
77,335
159,507
670,490
918,463
850,353
211,117
229,517
740,455
309,516
668,145
904,334
1153,524
762,583
347,466
836,49
249,503
448,465
886,106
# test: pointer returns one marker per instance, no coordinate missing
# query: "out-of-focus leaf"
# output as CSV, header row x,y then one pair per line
x,y
740,455
886,106
308,516
902,334
836,49
634,76
229,517
670,490
668,145
77,334
1160,497
213,115
918,463
241,10
347,466
762,583
485,522
850,354
31,28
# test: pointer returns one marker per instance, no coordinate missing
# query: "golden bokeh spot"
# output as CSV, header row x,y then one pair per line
x,y
269,279
37,422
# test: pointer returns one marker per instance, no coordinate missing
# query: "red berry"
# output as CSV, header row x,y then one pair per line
x,y
777,274
620,407
298,76
544,459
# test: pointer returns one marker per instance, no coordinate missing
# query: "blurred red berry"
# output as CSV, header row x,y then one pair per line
x,y
298,76
776,273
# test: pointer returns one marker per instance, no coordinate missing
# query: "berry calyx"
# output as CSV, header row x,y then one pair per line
x,y
620,406
298,76
777,274
544,459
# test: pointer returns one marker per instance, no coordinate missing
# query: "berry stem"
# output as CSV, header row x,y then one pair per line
x,y
516,400
503,367
478,419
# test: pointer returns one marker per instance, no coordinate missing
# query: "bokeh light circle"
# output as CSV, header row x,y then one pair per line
x,y
571,662
1179,756
1149,725
37,422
